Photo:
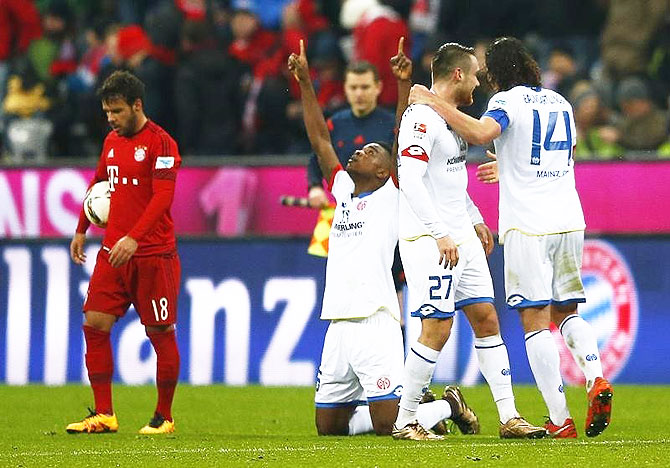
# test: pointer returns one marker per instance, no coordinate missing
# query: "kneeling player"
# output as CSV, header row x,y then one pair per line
x,y
358,386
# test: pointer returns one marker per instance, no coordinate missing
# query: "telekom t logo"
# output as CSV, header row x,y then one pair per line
x,y
113,175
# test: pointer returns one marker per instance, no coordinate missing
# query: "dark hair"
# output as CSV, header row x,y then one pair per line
x,y
361,67
122,85
390,157
449,57
383,145
509,64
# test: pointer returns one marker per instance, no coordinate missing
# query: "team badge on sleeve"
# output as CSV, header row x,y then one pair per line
x,y
419,127
415,151
164,162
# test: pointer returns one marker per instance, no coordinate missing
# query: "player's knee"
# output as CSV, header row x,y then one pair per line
x,y
99,320
560,313
383,427
331,428
488,326
158,328
435,333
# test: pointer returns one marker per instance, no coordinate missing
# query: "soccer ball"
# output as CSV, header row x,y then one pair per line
x,y
96,203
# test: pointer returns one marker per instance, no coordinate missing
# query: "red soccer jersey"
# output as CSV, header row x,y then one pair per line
x,y
141,170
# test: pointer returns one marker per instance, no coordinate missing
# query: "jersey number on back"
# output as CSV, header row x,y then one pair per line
x,y
548,144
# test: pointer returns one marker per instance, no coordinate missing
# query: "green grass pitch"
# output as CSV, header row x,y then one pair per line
x,y
265,426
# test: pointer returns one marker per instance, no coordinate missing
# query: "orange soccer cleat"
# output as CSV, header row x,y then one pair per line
x,y
566,431
600,407
94,423
158,425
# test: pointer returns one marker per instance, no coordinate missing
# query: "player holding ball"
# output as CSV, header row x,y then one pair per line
x,y
138,262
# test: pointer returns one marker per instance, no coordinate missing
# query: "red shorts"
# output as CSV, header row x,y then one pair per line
x,y
150,283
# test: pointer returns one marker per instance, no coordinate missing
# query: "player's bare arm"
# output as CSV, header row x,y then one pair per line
x,y
77,248
477,132
401,65
315,124
488,172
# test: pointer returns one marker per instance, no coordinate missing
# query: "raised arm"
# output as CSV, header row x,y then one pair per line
x,y
478,132
401,65
315,124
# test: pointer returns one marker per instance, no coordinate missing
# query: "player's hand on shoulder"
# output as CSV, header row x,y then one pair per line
x,y
419,94
297,64
77,248
317,197
448,252
488,172
122,251
401,65
485,237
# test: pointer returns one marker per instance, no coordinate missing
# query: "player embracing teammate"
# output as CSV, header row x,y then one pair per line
x,y
138,262
541,224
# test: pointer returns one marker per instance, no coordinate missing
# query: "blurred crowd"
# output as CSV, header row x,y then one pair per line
x,y
216,73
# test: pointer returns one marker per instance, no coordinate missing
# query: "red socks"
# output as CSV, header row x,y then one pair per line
x,y
167,370
100,365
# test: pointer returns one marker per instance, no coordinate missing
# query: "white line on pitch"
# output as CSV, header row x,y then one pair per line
x,y
414,446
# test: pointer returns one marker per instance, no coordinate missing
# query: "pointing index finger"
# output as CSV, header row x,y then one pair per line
x,y
302,48
401,44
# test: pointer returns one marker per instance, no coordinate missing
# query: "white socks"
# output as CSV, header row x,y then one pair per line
x,y
429,414
580,340
545,364
494,366
419,367
361,421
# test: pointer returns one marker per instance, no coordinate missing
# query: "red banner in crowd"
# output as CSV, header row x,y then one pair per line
x,y
36,202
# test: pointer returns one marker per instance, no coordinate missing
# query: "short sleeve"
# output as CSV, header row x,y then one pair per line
x,y
342,184
501,109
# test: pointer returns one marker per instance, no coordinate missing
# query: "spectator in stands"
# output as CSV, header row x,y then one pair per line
x,y
422,72
207,95
54,55
136,50
20,24
563,71
251,43
164,22
629,28
26,131
376,31
423,18
596,134
643,126
269,12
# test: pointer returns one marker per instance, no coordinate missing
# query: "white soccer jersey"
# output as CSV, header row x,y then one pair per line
x,y
439,205
535,160
361,245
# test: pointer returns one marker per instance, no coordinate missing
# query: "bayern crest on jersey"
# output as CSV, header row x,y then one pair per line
x,y
140,153
611,309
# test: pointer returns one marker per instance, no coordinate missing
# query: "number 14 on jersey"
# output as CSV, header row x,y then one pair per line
x,y
548,144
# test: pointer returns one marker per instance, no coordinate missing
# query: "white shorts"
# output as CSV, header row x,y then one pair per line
x,y
362,361
437,292
543,270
